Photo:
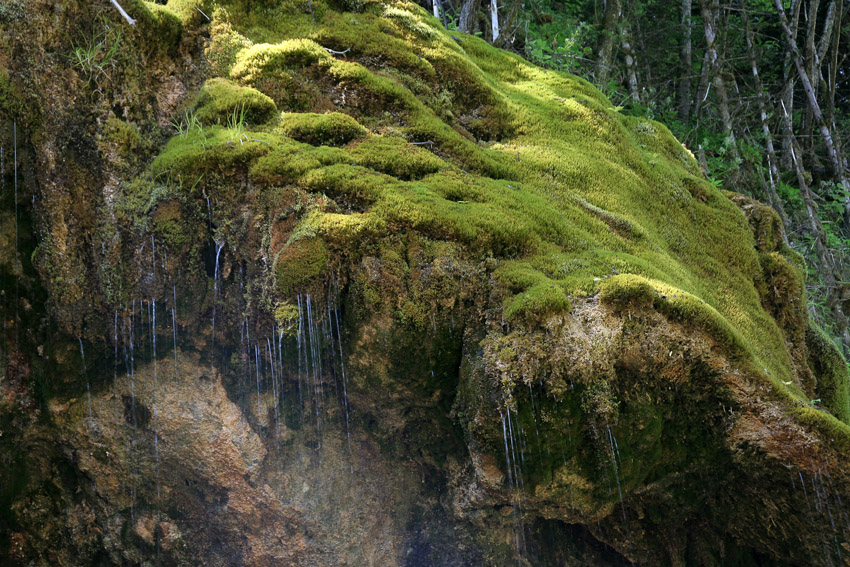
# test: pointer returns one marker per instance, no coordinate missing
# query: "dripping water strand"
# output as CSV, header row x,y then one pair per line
x,y
174,328
15,168
155,410
277,383
115,353
274,384
344,387
257,363
86,376
512,483
218,248
519,488
822,497
315,361
301,363
617,464
131,372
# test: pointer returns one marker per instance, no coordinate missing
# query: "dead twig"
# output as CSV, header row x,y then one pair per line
x,y
332,52
125,15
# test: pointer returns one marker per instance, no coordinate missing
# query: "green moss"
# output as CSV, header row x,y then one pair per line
x,y
289,161
830,368
226,43
299,263
532,168
265,59
633,291
222,102
782,292
334,129
214,152
397,157
10,100
189,11
125,136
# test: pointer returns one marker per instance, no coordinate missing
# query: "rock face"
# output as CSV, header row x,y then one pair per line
x,y
321,283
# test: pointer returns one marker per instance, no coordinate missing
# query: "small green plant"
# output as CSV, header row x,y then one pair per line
x,y
236,120
97,53
188,123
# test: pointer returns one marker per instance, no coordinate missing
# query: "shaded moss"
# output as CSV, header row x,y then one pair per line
x,y
124,135
10,100
830,368
299,263
159,25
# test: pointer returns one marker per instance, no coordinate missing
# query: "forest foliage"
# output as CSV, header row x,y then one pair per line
x,y
758,89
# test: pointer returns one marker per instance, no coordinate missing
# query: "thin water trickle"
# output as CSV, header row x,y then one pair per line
x,y
315,361
152,305
115,354
257,364
510,457
805,492
209,210
86,375
344,386
15,168
534,412
174,329
218,248
153,259
301,358
617,464
270,352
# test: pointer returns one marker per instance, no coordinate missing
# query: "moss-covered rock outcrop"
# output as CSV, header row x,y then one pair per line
x,y
323,283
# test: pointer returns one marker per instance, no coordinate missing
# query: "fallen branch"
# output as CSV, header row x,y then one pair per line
x,y
126,16
425,143
202,13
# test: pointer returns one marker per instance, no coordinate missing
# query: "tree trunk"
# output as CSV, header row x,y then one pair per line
x,y
467,21
507,35
709,10
812,70
832,72
605,49
685,63
703,85
435,5
772,167
827,262
787,96
837,164
631,73
494,19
